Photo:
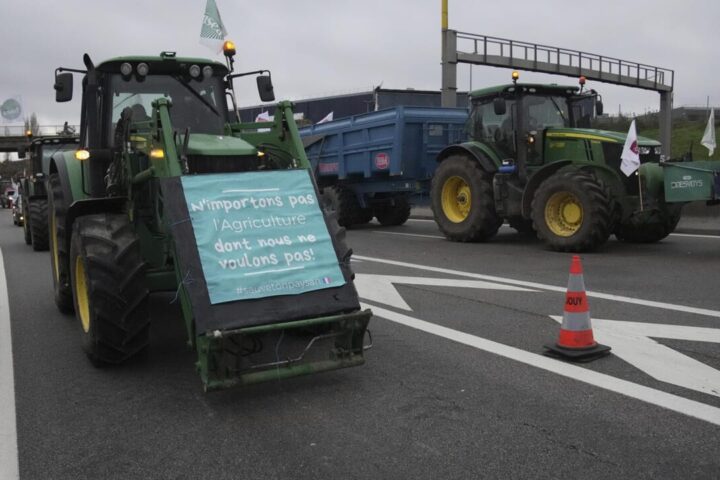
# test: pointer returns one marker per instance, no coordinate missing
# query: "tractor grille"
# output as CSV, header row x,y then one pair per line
x,y
222,163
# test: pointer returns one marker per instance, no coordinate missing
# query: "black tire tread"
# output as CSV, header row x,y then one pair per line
x,y
395,214
483,222
117,289
39,224
61,286
598,211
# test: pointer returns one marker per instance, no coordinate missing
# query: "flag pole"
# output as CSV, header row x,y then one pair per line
x,y
640,189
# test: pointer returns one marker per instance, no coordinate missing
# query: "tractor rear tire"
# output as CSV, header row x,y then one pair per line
x,y
632,232
572,211
26,223
344,203
39,224
395,214
57,210
110,292
461,196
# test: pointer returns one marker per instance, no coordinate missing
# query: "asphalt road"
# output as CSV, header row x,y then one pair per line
x,y
424,405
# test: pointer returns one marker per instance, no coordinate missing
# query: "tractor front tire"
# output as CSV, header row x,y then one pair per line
x,y
57,210
38,218
572,211
110,293
649,232
394,214
462,202
26,223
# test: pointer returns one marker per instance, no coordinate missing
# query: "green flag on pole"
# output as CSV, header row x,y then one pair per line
x,y
213,31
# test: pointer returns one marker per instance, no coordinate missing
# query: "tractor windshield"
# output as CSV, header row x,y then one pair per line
x,y
547,111
195,104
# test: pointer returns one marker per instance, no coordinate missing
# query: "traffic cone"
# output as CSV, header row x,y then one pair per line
x,y
576,340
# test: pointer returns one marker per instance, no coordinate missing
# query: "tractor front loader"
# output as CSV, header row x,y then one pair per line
x,y
169,192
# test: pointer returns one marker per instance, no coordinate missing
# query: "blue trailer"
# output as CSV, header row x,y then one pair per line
x,y
369,165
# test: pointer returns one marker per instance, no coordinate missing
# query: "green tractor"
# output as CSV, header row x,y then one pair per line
x,y
42,150
121,224
533,160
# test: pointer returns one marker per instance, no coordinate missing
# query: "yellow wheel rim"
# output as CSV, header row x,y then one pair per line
x,y
81,293
456,201
563,214
54,242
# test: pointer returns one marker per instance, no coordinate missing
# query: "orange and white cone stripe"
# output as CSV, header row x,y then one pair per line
x,y
576,341
576,330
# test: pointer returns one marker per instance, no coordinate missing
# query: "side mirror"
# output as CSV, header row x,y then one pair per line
x,y
265,88
21,153
598,108
499,106
63,87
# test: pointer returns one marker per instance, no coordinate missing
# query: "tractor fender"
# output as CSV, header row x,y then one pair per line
x,y
481,153
608,176
70,173
90,206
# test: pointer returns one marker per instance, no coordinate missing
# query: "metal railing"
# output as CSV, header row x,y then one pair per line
x,y
547,59
19,130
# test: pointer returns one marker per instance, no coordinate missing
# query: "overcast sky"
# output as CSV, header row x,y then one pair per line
x,y
321,47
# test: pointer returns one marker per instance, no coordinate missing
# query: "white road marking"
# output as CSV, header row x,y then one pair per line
x,y
420,220
408,234
694,235
631,341
650,395
552,288
9,468
380,288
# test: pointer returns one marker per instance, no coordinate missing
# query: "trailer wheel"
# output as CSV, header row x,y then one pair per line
x,y
365,215
26,223
109,288
572,211
395,214
57,209
462,200
649,232
343,202
522,225
38,224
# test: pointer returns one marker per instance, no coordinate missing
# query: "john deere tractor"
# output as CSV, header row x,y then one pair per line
x,y
42,150
121,226
533,160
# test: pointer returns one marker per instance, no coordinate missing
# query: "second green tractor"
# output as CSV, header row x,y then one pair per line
x,y
533,160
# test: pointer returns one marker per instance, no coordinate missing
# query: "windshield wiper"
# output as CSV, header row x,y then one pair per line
x,y
197,95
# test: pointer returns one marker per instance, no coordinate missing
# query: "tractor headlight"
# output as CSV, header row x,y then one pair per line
x,y
207,71
143,69
126,69
657,150
644,150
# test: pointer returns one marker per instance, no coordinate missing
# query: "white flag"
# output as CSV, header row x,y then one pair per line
x,y
264,117
212,33
630,156
327,118
708,140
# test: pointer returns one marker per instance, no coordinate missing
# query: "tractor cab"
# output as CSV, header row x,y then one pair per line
x,y
512,120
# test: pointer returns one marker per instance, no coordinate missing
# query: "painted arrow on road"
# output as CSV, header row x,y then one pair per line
x,y
633,342
380,288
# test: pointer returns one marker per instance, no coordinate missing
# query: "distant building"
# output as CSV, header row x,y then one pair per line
x,y
315,109
694,114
